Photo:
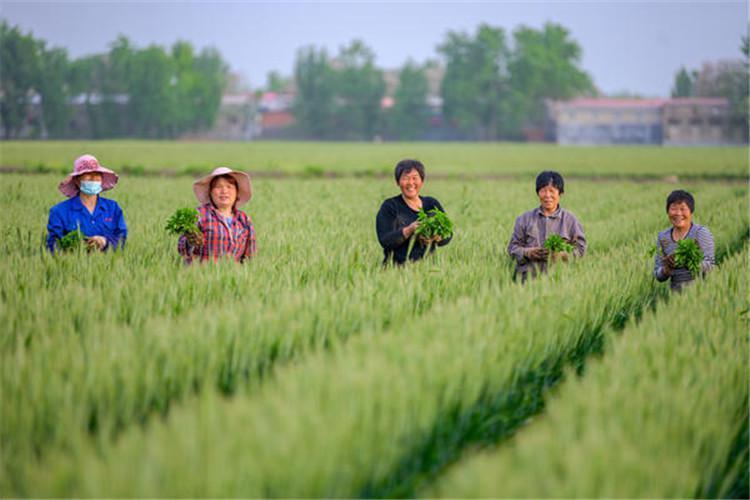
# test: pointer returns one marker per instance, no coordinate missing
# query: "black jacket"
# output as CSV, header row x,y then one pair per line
x,y
393,216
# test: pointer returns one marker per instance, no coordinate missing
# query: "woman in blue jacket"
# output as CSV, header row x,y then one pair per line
x,y
99,219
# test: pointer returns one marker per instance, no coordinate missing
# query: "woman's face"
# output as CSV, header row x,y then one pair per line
x,y
680,215
223,193
410,183
549,198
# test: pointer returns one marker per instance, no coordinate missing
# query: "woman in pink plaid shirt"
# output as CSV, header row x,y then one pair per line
x,y
226,232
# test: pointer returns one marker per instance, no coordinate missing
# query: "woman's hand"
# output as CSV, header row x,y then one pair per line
x,y
561,256
536,253
668,264
195,239
427,241
96,242
409,230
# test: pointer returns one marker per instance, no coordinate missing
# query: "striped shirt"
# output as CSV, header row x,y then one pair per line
x,y
220,238
531,230
666,245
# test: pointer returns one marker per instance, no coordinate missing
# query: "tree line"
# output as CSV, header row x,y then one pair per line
x,y
491,89
494,86
128,92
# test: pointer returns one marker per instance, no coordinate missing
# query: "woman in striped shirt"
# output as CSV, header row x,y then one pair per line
x,y
680,209
225,231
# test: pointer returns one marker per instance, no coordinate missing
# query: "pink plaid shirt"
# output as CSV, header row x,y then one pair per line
x,y
220,239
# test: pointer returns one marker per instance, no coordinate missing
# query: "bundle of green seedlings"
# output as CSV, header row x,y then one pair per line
x,y
689,256
432,223
555,244
183,221
72,241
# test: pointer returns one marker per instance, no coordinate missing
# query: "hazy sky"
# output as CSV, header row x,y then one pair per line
x,y
627,45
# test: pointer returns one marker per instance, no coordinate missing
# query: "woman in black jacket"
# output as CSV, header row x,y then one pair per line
x,y
397,218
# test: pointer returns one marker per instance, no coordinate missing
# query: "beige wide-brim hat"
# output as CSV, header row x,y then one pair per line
x,y
83,165
202,186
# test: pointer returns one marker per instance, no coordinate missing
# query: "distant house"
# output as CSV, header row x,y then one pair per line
x,y
276,119
608,121
276,115
682,121
275,101
237,119
696,121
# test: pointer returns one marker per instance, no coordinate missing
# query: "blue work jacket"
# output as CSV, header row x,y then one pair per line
x,y
69,215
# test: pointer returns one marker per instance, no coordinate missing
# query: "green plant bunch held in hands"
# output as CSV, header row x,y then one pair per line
x,y
556,243
72,241
434,225
557,248
689,256
183,221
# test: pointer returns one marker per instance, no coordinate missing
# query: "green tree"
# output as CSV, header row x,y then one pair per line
x,y
359,89
20,69
86,81
545,64
152,99
185,89
742,107
313,104
409,116
683,84
55,91
116,118
102,82
125,92
476,83
211,80
275,82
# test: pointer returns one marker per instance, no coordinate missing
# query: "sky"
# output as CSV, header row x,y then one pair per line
x,y
627,46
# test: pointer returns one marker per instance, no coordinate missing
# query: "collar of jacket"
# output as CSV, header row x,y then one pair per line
x,y
553,215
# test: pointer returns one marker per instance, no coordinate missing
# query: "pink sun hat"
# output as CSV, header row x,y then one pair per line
x,y
202,186
84,165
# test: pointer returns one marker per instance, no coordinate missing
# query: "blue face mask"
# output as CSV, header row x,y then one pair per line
x,y
91,187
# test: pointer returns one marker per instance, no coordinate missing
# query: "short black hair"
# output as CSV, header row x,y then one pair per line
x,y
550,177
405,166
680,196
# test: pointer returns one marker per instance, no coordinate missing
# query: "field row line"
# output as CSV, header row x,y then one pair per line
x,y
321,173
409,403
663,414
497,414
99,364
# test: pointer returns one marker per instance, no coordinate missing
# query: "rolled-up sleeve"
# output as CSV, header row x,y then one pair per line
x,y
389,237
578,237
706,241
55,229
187,250
515,246
659,262
121,230
251,248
